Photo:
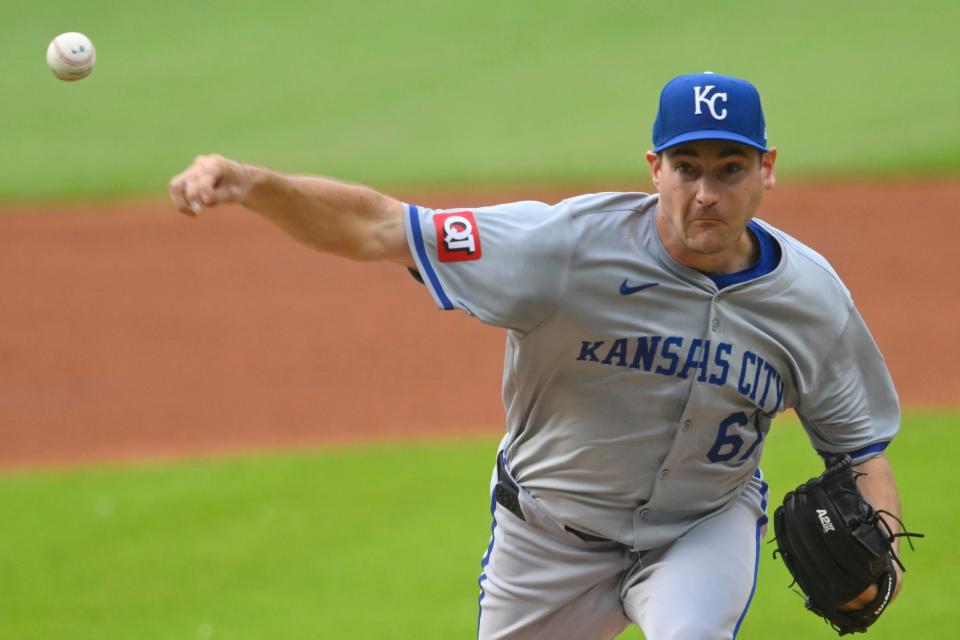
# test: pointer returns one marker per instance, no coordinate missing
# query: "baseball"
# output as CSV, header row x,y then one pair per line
x,y
71,56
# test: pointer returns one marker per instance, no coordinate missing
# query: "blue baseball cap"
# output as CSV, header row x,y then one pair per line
x,y
709,106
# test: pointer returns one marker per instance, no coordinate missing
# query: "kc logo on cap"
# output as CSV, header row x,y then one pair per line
x,y
700,98
709,106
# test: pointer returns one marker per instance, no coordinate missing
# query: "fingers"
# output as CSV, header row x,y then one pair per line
x,y
862,600
196,188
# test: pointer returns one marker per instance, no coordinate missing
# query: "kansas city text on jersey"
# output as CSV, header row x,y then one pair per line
x,y
758,380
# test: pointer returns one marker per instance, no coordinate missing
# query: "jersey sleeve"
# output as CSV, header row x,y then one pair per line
x,y
506,265
852,406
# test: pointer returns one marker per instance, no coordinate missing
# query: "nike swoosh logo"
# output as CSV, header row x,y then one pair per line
x,y
626,289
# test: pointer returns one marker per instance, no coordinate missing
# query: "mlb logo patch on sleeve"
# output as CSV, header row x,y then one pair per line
x,y
458,236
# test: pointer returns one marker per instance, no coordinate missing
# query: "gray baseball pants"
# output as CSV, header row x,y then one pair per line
x,y
542,581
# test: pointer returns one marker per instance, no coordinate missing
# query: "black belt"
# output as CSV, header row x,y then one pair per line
x,y
508,496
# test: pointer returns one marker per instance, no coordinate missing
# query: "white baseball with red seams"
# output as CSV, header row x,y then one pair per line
x,y
71,56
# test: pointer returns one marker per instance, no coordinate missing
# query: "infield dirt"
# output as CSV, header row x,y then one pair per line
x,y
130,332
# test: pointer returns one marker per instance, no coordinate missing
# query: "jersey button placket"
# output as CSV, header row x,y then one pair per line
x,y
639,515
714,314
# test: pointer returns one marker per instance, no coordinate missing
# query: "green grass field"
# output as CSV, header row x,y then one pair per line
x,y
385,541
431,92
375,542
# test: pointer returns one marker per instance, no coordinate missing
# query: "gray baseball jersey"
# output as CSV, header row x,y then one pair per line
x,y
638,394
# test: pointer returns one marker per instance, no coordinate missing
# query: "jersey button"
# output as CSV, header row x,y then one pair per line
x,y
643,513
664,473
686,424
715,324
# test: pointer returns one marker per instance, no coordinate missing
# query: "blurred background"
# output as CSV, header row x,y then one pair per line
x,y
209,431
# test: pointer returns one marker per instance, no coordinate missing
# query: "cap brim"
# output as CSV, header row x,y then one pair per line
x,y
709,134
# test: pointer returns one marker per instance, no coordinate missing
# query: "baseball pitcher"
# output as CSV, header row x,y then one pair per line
x,y
651,340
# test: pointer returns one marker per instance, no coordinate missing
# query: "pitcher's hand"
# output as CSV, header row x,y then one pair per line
x,y
209,181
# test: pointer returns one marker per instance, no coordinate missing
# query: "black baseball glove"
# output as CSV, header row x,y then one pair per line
x,y
836,545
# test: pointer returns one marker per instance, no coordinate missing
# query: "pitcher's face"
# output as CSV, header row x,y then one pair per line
x,y
709,191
